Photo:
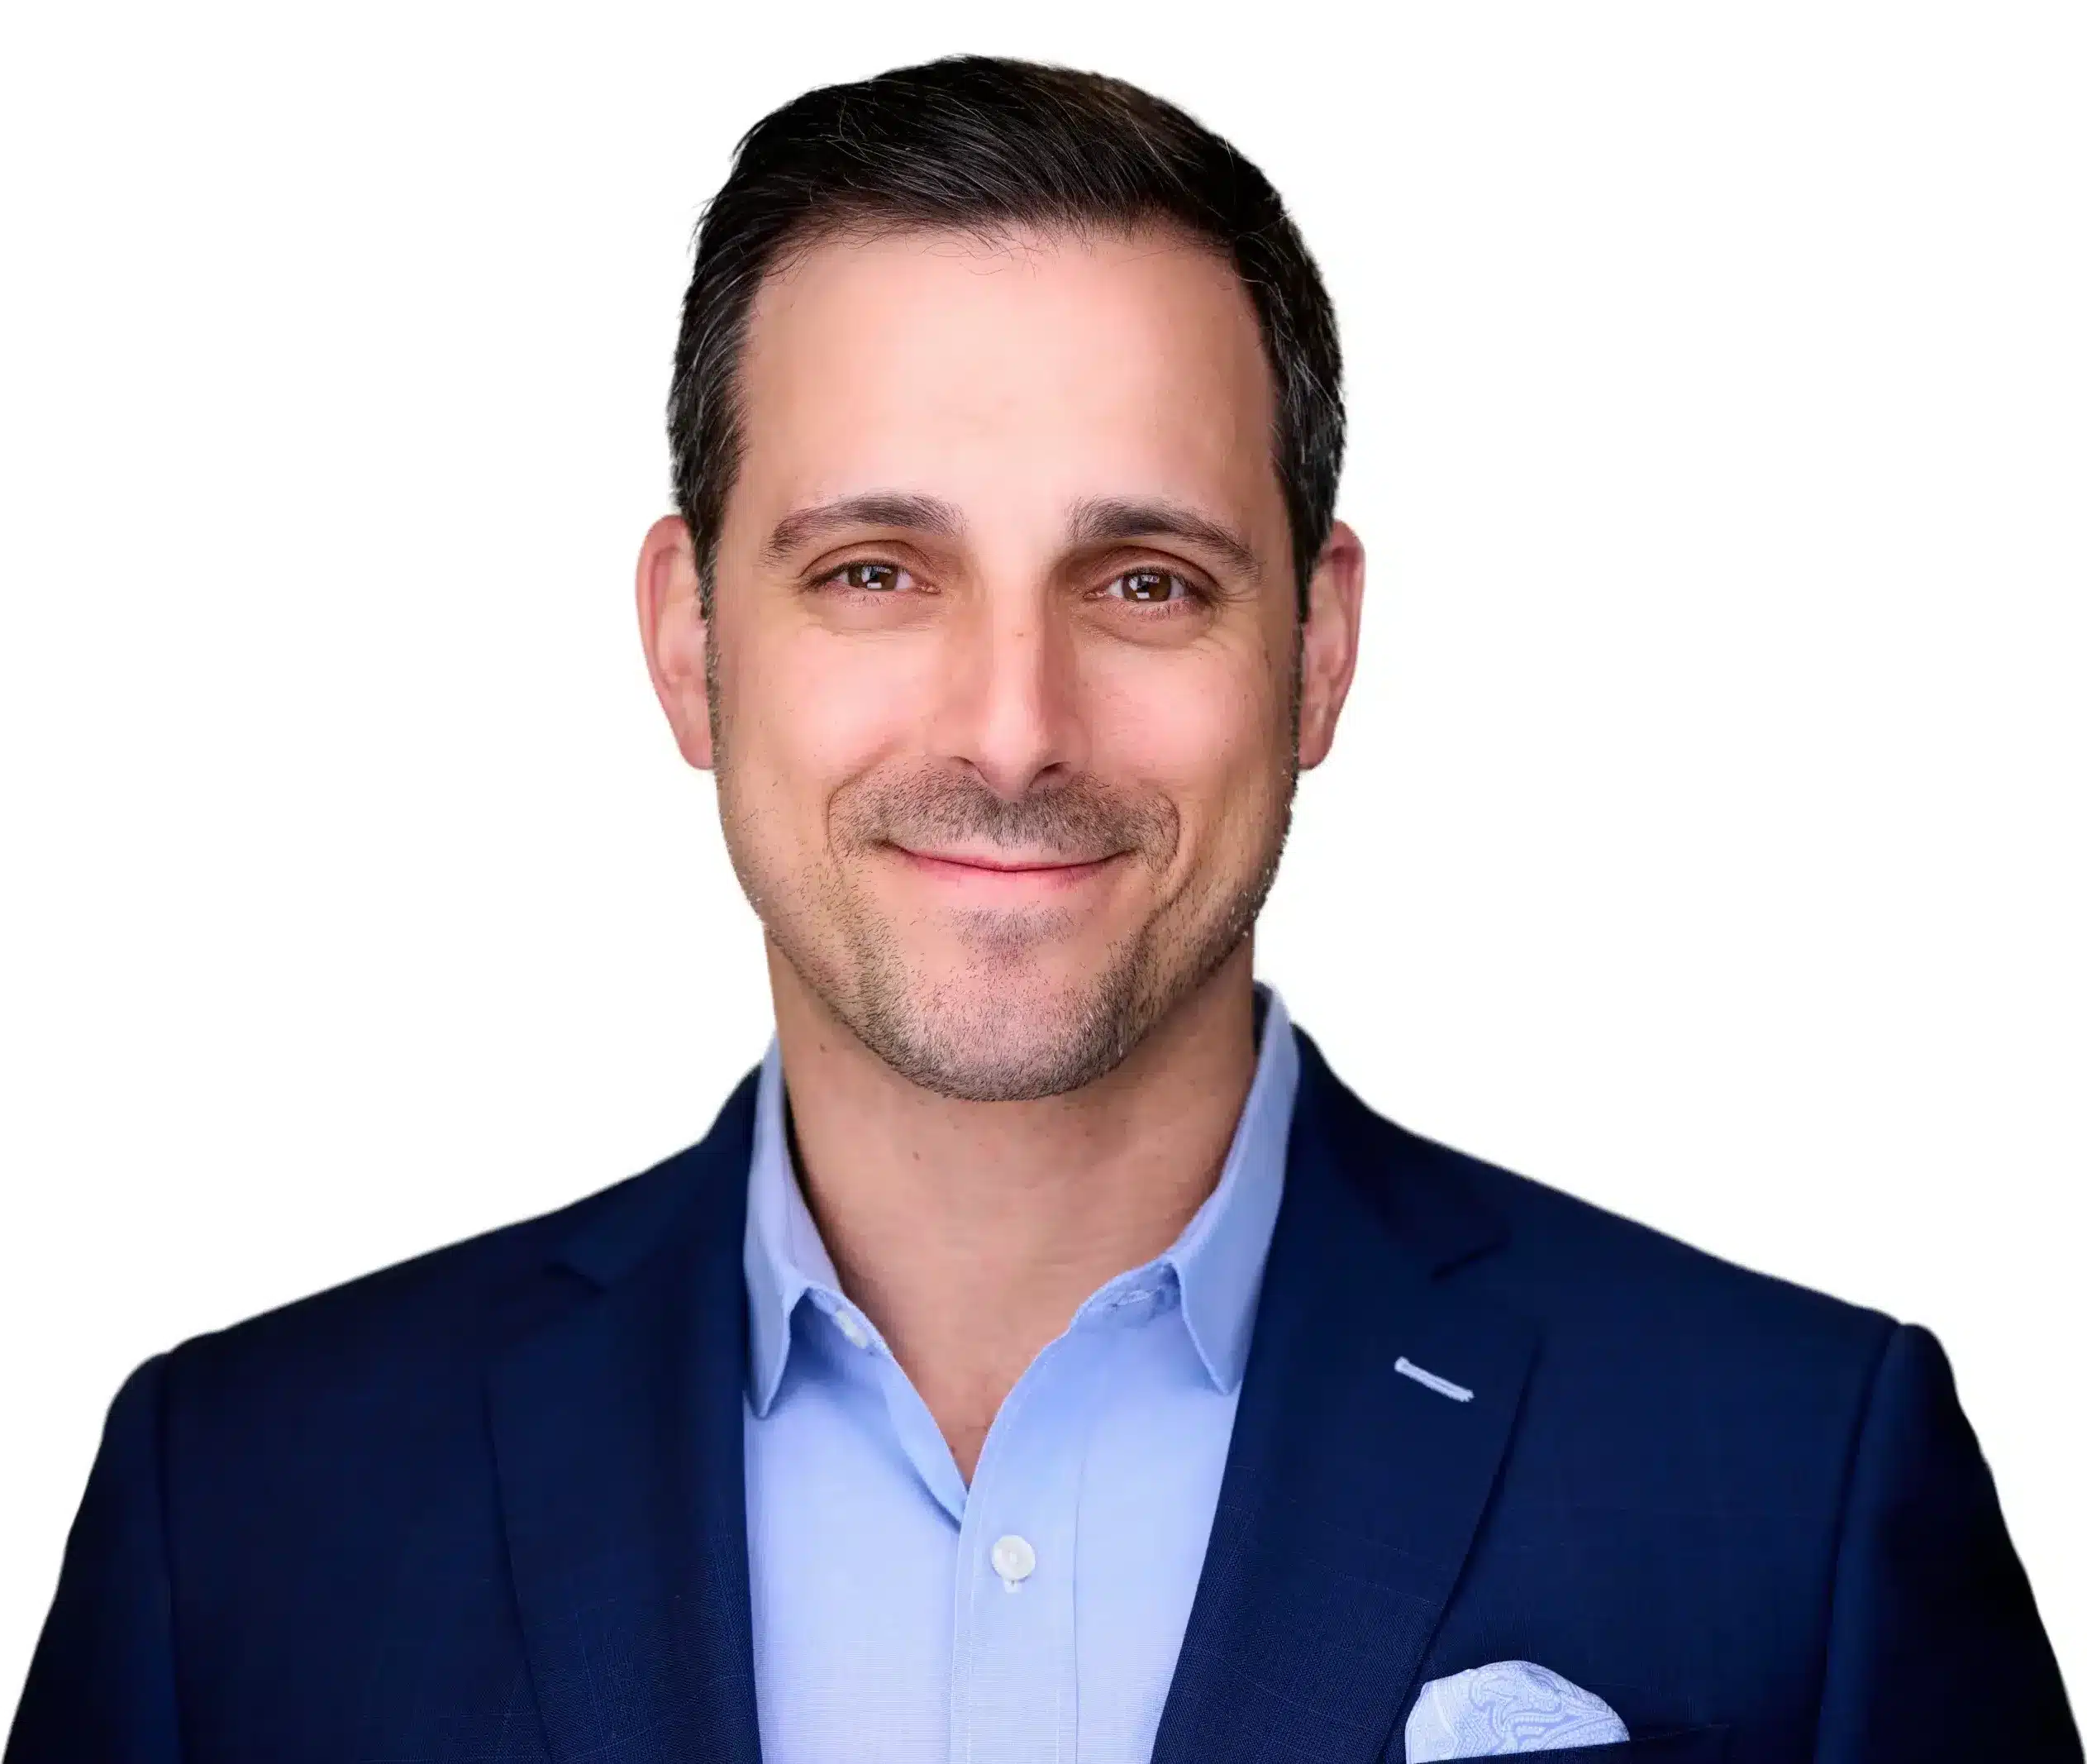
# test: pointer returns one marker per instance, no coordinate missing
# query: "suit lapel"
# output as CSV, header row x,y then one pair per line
x,y
617,1434
1351,1494
1352,1491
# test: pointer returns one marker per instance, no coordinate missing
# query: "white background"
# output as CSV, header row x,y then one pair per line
x,y
1705,835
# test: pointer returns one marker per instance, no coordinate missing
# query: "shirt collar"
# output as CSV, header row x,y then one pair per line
x,y
1219,1254
1216,1261
785,1256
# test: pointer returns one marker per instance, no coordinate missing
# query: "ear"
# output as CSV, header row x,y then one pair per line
x,y
1330,637
675,634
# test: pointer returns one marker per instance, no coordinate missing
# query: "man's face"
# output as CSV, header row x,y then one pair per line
x,y
1007,686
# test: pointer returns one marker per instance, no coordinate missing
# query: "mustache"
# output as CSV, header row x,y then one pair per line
x,y
1078,820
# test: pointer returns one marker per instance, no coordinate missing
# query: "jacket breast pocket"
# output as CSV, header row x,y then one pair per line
x,y
1685,1746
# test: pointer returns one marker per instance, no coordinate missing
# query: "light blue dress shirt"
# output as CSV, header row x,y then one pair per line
x,y
1036,1616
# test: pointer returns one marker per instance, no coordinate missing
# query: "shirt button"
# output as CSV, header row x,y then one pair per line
x,y
1013,1559
858,1337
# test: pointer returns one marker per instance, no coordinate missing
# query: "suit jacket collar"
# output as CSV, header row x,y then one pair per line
x,y
1351,1494
617,1432
1353,1490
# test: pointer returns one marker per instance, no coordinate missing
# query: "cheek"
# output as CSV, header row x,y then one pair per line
x,y
1208,730
804,712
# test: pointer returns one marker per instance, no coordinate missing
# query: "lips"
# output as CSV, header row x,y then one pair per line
x,y
991,874
1002,864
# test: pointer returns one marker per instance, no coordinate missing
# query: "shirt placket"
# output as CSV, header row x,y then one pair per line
x,y
1014,1693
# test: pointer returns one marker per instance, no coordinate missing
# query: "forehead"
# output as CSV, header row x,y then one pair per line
x,y
1013,370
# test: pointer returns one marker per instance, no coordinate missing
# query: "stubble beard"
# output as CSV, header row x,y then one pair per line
x,y
982,1035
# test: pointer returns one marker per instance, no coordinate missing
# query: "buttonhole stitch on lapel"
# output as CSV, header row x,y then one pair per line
x,y
1421,1375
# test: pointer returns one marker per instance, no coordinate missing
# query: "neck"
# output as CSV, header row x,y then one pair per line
x,y
970,1233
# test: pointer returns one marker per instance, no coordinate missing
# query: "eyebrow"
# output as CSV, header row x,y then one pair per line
x,y
1092,521
920,514
1108,519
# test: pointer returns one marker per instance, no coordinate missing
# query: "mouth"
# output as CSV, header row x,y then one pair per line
x,y
1005,872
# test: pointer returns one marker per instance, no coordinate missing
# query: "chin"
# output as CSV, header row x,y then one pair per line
x,y
994,1033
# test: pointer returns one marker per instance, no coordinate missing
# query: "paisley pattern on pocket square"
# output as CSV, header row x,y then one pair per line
x,y
1510,1706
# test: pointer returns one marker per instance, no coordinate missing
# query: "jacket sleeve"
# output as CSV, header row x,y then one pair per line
x,y
1934,1648
102,1682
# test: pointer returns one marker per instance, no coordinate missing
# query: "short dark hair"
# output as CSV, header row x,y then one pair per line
x,y
977,142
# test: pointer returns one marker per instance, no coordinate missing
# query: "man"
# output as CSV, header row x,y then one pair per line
x,y
1044,1356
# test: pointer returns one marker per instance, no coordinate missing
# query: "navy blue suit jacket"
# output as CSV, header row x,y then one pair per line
x,y
489,1505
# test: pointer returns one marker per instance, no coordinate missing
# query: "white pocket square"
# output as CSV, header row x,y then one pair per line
x,y
1507,1707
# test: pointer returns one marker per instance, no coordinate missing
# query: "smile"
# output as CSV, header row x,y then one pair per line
x,y
1000,873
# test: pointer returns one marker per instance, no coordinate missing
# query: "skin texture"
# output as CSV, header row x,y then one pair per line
x,y
1006,693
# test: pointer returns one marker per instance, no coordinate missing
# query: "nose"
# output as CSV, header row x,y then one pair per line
x,y
1009,706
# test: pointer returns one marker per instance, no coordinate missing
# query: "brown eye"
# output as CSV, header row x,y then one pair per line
x,y
1149,587
875,578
